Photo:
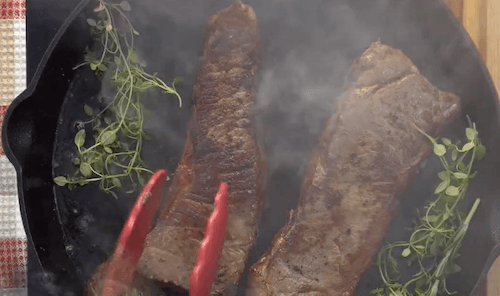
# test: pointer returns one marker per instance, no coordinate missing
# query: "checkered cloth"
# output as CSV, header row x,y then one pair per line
x,y
13,244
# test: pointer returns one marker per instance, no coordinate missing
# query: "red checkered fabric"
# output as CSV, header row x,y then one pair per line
x,y
12,263
13,244
12,10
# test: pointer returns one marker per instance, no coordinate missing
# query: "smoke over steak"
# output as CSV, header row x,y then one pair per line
x,y
221,145
367,154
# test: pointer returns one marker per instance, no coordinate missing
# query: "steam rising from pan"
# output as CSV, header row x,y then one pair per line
x,y
308,47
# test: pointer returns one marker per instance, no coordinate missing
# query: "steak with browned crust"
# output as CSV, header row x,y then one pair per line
x,y
221,146
367,154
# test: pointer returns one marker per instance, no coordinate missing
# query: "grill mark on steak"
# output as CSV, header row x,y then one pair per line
x,y
221,146
367,154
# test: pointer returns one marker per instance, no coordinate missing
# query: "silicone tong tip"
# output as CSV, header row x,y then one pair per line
x,y
119,270
207,262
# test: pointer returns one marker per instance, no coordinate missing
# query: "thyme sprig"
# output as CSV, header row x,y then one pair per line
x,y
434,244
118,131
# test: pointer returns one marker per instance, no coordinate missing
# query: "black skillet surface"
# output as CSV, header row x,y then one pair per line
x,y
43,22
308,47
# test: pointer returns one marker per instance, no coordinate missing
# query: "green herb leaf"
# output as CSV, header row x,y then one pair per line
x,y
480,152
61,181
442,186
141,179
420,283
123,116
85,169
117,182
411,259
460,175
102,67
176,81
125,6
443,175
139,83
454,155
462,167
108,138
468,146
124,146
452,191
446,141
98,167
91,22
80,138
377,291
108,120
470,133
454,269
88,110
113,194
406,252
439,150
132,55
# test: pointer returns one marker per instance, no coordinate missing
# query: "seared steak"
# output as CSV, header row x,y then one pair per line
x,y
221,145
367,155
138,286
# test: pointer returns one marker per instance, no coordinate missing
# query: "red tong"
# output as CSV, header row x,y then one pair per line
x,y
119,271
207,261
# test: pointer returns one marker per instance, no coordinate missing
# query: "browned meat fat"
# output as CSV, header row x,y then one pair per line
x,y
221,145
366,155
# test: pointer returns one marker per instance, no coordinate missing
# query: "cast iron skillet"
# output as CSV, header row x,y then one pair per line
x,y
308,48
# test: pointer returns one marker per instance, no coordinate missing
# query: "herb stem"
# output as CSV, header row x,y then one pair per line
x,y
118,144
437,239
435,288
105,47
